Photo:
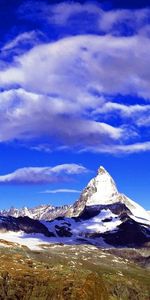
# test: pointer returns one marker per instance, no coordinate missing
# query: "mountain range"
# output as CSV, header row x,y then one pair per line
x,y
102,216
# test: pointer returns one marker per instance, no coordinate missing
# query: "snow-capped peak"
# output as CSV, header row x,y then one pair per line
x,y
101,170
100,191
101,188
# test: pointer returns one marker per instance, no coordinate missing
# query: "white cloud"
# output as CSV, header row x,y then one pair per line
x,y
60,191
69,169
36,175
61,13
111,21
31,38
134,20
75,66
64,85
41,148
120,149
137,112
58,14
144,121
25,115
133,148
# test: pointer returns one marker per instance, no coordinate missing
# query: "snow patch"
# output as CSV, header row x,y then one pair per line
x,y
32,241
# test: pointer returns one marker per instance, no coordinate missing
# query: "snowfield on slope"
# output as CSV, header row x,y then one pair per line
x,y
37,241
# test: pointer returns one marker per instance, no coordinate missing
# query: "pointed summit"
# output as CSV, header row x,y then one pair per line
x,y
102,188
101,170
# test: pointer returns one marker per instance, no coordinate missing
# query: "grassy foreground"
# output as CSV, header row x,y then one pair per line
x,y
73,272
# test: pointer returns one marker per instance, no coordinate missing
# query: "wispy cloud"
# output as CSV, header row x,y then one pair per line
x,y
120,149
60,191
87,64
122,109
36,175
30,38
137,114
27,115
103,21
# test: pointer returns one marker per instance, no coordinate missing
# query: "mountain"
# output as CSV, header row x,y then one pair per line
x,y
41,212
101,216
24,224
102,191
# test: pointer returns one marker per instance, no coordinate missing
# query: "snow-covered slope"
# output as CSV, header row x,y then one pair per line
x,y
101,189
104,229
104,221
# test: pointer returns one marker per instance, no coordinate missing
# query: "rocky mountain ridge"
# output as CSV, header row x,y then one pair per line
x,y
41,212
101,190
102,216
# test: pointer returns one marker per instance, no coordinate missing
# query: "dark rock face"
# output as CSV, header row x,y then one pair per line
x,y
63,231
116,208
129,233
24,224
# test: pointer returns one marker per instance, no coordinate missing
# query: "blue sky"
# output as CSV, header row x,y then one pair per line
x,y
75,94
